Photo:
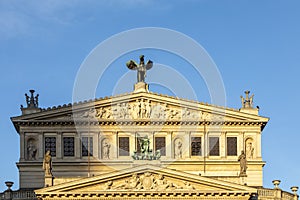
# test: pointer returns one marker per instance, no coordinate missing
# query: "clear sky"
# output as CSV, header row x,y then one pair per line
x,y
255,45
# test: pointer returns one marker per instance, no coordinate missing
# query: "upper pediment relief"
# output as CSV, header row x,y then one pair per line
x,y
142,106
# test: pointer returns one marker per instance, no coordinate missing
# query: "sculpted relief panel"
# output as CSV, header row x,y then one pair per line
x,y
146,109
147,181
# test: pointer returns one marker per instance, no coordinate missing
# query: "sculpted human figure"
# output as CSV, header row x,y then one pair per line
x,y
178,149
107,113
136,110
243,163
143,109
148,109
100,112
31,150
47,164
144,144
188,186
160,183
249,150
131,183
106,149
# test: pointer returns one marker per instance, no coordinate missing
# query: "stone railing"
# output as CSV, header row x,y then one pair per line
x,y
268,194
18,195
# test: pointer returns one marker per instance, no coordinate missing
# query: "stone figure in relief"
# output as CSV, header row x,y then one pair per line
x,y
178,148
47,164
100,112
108,185
148,181
189,186
106,149
108,113
131,183
243,163
143,109
147,109
136,110
31,150
160,183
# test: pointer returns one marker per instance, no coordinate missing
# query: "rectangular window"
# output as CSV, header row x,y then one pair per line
x,y
160,144
196,146
85,145
68,146
50,145
214,149
123,146
232,146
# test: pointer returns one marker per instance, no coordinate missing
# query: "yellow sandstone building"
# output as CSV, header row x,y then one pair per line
x,y
141,145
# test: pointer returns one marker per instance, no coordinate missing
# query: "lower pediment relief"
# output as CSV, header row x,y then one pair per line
x,y
149,182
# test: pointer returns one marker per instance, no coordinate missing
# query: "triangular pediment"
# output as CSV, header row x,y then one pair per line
x,y
141,106
146,178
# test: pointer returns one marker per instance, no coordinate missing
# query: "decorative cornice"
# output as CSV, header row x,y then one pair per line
x,y
144,194
137,122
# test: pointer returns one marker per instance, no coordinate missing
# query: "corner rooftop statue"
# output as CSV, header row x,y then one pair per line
x,y
141,145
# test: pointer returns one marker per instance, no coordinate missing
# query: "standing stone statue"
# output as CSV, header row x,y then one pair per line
x,y
31,150
141,68
243,163
249,150
106,149
47,164
178,149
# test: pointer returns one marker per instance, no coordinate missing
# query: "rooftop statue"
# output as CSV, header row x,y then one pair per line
x,y
141,68
248,101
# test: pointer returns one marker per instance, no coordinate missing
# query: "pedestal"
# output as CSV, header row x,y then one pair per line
x,y
140,87
48,181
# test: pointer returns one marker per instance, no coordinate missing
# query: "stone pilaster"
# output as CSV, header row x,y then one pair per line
x,y
41,146
77,146
22,146
59,145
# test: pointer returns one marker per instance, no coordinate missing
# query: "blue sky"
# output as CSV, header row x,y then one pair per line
x,y
255,45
